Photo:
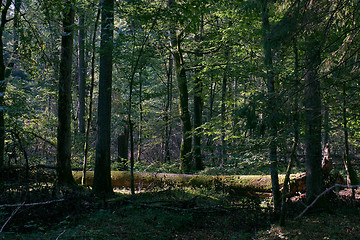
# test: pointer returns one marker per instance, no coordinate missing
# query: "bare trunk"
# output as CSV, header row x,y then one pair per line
x,y
168,107
102,179
313,121
198,103
82,73
63,163
92,83
272,122
3,83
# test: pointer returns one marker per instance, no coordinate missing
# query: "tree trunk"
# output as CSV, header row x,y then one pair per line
x,y
186,143
197,123
3,83
82,72
123,149
326,121
168,107
271,107
312,99
223,110
140,118
293,157
102,178
91,91
198,103
63,163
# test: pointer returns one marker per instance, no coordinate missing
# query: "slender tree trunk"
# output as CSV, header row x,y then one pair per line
x,y
92,83
140,118
223,112
102,176
123,149
271,108
198,103
345,126
325,139
313,120
197,123
82,72
168,106
131,132
3,83
352,177
293,157
63,163
186,144
17,5
209,142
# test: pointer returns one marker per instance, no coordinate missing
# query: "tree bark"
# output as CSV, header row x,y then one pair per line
x,y
91,91
223,110
102,178
3,83
198,104
63,163
82,72
271,107
186,143
168,107
312,99
140,118
123,149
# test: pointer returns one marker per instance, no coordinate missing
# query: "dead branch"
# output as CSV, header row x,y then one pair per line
x,y
60,234
324,192
11,216
31,204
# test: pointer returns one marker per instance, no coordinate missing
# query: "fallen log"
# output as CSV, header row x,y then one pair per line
x,y
229,183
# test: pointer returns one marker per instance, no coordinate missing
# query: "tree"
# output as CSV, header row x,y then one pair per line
x,y
312,98
198,103
102,175
3,81
272,111
180,73
82,72
63,163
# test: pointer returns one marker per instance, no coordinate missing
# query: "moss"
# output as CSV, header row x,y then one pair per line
x,y
144,180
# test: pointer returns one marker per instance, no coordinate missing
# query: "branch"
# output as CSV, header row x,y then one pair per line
x,y
321,194
31,204
12,214
60,234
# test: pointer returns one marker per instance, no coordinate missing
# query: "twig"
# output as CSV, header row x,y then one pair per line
x,y
321,194
12,214
60,234
31,204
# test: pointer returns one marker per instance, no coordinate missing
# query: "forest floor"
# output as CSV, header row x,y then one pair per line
x,y
176,214
167,213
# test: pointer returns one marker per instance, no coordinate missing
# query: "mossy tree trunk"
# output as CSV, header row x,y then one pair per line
x,y
180,73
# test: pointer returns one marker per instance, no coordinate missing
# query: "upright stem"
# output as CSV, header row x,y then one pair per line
x,y
92,84
271,107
